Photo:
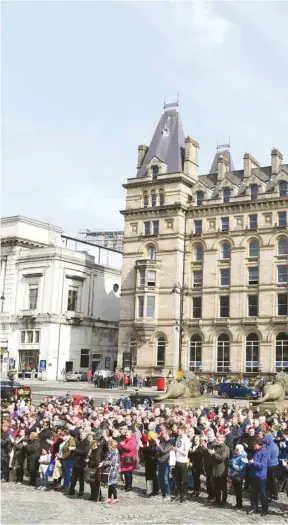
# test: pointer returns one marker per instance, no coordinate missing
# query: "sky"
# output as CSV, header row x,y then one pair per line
x,y
83,83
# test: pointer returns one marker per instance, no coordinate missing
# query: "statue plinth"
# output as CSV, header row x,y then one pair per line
x,y
184,402
273,406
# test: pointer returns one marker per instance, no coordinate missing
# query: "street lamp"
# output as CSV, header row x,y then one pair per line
x,y
182,291
2,299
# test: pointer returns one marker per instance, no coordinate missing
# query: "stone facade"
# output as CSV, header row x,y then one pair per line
x,y
214,246
59,306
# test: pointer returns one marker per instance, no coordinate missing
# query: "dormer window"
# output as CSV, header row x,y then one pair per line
x,y
254,192
200,198
155,170
283,188
226,194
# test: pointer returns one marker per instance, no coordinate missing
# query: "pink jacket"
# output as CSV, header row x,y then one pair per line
x,y
128,447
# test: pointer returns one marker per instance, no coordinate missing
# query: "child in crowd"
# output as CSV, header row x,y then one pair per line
x,y
44,461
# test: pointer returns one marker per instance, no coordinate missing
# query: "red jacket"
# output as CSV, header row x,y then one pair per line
x,y
128,447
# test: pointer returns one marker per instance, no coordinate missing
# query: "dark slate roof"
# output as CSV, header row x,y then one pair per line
x,y
227,155
168,144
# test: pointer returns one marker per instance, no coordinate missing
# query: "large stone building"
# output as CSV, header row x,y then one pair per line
x,y
205,269
59,300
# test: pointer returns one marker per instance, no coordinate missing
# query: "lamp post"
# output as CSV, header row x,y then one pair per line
x,y
2,299
182,291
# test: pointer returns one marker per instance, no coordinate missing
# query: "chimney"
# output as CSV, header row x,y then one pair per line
x,y
191,158
222,167
249,164
276,161
142,150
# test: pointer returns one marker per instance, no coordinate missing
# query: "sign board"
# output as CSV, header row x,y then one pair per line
x,y
107,362
43,365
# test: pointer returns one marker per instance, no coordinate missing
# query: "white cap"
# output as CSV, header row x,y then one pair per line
x,y
240,448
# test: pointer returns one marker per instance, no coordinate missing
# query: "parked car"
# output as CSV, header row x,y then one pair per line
x,y
76,376
237,390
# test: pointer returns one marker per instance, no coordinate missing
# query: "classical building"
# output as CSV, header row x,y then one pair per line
x,y
59,300
205,268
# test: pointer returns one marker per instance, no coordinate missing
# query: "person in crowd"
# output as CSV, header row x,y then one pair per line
x,y
236,473
66,449
94,465
79,455
220,454
164,448
248,440
6,448
149,453
211,443
19,453
181,449
258,477
44,461
273,466
112,463
196,458
128,457
32,447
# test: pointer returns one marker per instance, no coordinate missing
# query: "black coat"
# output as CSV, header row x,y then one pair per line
x,y
150,458
43,436
33,454
80,454
94,462
6,447
196,458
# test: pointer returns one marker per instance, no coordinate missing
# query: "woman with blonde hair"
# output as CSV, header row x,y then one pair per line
x,y
112,462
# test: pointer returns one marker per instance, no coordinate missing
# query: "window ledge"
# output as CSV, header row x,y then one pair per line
x,y
226,260
282,257
280,319
249,320
252,259
74,315
282,285
221,320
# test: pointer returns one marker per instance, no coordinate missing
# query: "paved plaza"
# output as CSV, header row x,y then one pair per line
x,y
25,505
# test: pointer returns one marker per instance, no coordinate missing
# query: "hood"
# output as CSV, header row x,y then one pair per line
x,y
268,439
242,455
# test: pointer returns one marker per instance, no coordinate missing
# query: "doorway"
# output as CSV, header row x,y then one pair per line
x,y
69,366
95,365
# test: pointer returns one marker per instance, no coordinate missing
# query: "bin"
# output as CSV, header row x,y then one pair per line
x,y
161,383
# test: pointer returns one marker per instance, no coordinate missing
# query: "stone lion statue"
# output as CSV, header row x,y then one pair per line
x,y
189,387
276,392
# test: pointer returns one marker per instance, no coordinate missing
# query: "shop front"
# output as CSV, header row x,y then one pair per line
x,y
28,363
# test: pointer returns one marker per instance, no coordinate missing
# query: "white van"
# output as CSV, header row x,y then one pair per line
x,y
103,373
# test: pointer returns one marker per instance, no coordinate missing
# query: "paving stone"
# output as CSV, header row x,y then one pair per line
x,y
24,505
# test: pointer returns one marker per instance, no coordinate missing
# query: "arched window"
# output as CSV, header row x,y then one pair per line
x,y
226,194
155,171
151,252
283,188
195,360
254,248
161,346
200,198
153,199
132,345
283,246
198,252
252,353
281,363
225,250
223,353
145,200
161,198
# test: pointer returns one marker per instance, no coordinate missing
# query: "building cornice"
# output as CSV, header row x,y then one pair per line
x,y
31,222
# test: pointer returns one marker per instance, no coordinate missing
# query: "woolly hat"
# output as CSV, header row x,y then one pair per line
x,y
240,448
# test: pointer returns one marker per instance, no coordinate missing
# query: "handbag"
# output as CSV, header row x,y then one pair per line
x,y
128,461
105,474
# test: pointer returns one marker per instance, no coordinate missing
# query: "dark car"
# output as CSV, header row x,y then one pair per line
x,y
234,390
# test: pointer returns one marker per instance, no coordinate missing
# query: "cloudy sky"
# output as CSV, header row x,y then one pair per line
x,y
83,84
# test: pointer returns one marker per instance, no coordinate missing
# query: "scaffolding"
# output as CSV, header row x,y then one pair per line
x,y
106,239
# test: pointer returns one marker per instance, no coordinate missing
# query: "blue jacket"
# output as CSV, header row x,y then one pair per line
x,y
237,465
273,450
258,469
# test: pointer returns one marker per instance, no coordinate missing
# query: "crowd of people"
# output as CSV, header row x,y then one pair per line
x,y
62,443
